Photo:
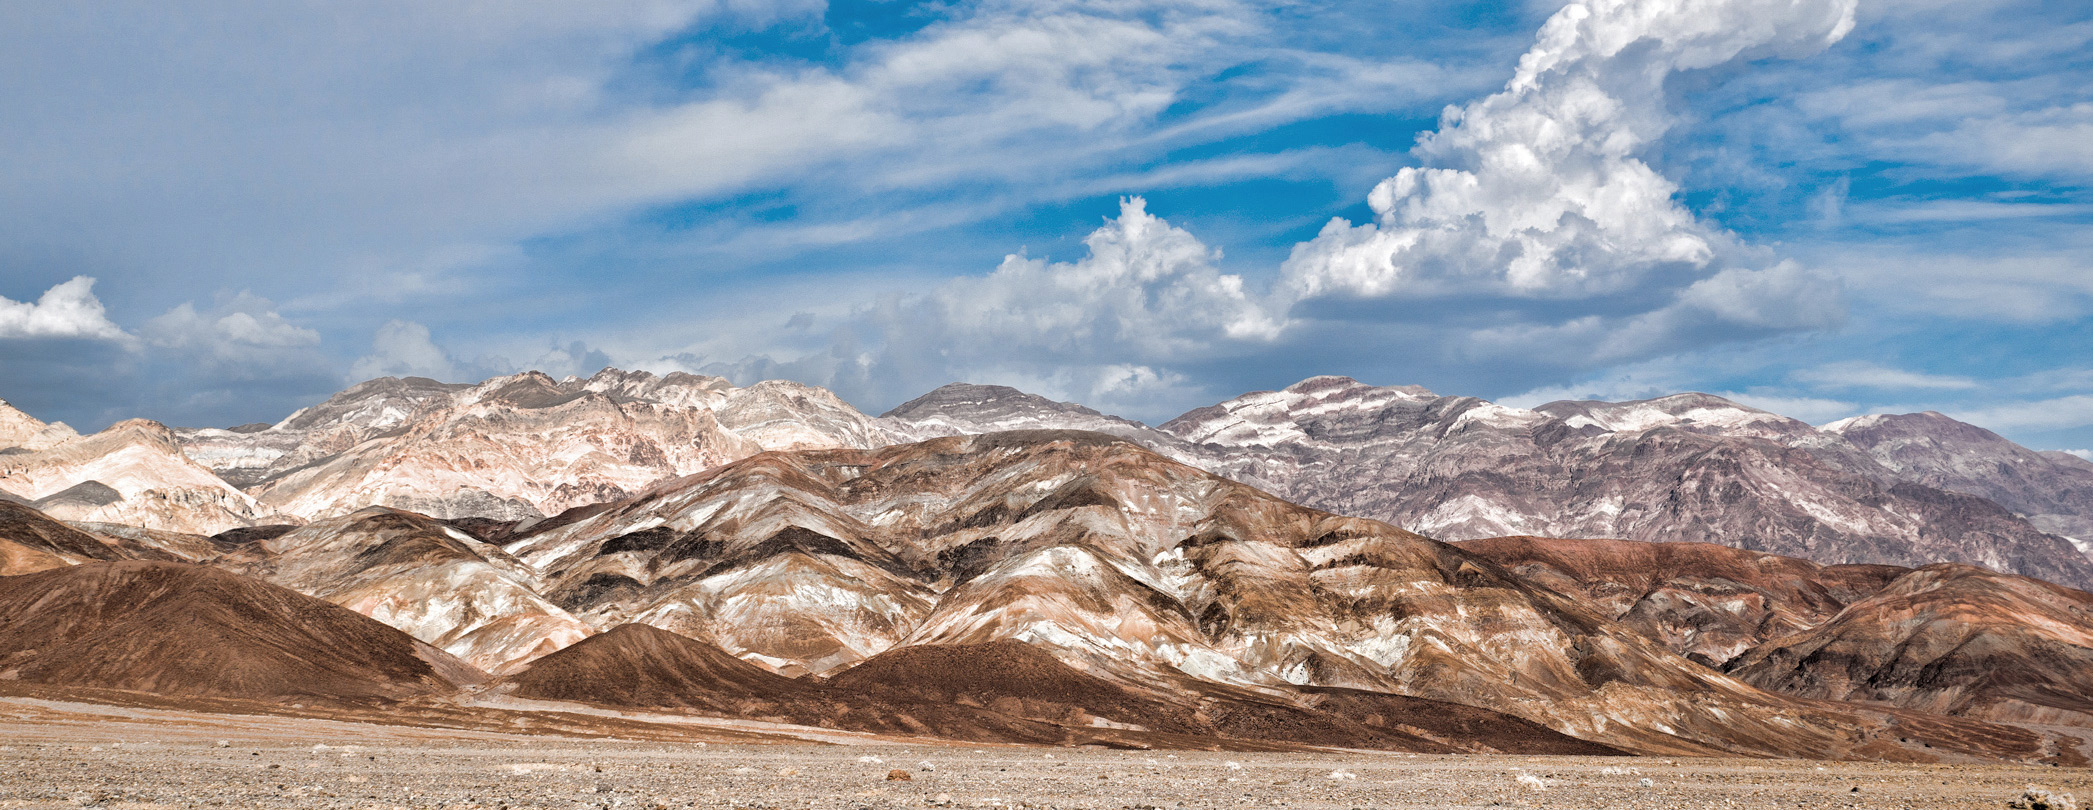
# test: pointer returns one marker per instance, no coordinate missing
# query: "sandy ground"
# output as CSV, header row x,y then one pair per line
x,y
57,754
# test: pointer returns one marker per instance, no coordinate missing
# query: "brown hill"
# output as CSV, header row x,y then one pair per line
x,y
174,628
32,541
1949,639
1707,602
641,666
1004,691
1012,678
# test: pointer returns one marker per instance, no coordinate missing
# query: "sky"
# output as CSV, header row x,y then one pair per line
x,y
217,212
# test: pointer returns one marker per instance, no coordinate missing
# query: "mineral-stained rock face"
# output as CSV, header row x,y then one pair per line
x,y
517,447
2054,492
132,473
1690,467
1949,639
1710,603
433,582
182,629
1135,569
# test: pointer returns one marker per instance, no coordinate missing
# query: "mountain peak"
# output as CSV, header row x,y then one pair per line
x,y
977,397
1692,411
1335,382
18,429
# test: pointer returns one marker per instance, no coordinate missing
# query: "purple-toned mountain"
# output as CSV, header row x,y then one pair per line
x,y
2053,490
1689,467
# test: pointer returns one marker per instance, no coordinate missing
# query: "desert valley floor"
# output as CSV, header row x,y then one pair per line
x,y
56,753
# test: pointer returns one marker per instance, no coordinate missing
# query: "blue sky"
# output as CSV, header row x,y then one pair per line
x,y
1821,207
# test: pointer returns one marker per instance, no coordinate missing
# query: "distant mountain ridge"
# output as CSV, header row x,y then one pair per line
x,y
1684,468
1904,490
517,447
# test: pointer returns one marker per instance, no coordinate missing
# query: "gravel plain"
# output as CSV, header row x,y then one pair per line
x,y
56,754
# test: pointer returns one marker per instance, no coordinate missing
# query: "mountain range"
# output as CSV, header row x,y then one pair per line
x,y
1266,571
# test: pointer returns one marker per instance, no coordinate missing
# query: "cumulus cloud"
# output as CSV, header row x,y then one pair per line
x,y
404,349
1539,191
1146,287
575,359
242,336
67,311
1104,327
1533,209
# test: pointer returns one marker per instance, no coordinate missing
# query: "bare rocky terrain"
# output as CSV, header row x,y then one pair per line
x,y
66,755
684,568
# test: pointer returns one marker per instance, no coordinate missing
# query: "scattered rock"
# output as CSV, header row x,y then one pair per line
x,y
1531,781
2037,798
899,775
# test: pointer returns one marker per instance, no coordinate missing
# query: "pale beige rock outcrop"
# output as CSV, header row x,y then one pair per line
x,y
133,473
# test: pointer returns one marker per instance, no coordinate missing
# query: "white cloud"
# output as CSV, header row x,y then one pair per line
x,y
242,335
1104,328
1146,288
1534,202
1863,374
2058,413
576,359
1992,273
1938,211
404,349
67,310
1538,190
2084,454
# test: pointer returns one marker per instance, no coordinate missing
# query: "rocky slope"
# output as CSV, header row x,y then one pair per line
x,y
31,541
1947,639
516,447
1707,602
1944,639
173,628
1135,569
430,580
1690,467
1003,691
2055,492
22,431
132,473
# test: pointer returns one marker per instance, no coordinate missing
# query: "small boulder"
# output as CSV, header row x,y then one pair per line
x,y
899,775
2036,798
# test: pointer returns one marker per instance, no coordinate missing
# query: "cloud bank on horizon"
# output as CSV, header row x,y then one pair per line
x,y
1726,195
